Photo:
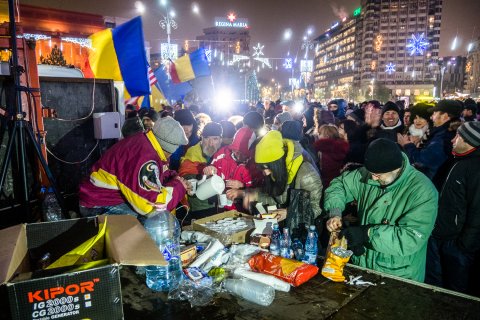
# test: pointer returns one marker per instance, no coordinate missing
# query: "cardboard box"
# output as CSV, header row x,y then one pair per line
x,y
225,239
89,294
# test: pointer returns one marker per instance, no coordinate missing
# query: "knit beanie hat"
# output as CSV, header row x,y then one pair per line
x,y
132,126
470,132
212,129
284,116
390,106
253,120
228,129
243,140
185,117
292,130
270,148
383,156
169,134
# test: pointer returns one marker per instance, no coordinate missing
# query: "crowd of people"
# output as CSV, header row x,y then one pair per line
x,y
401,183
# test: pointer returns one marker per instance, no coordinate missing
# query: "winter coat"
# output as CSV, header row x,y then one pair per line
x,y
305,178
434,153
229,169
134,170
332,158
175,158
459,205
191,167
401,216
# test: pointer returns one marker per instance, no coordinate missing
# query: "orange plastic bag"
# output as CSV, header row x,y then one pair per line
x,y
334,264
291,271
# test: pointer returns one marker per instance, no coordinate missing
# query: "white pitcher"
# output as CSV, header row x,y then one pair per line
x,y
207,188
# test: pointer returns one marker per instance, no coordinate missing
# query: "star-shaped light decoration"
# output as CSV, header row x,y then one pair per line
x,y
390,68
258,50
288,63
417,44
231,17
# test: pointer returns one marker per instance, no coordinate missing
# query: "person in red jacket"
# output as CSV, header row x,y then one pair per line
x,y
231,162
331,150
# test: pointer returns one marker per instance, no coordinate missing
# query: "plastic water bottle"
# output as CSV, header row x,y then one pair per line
x,y
275,243
51,210
311,246
251,290
164,229
297,248
286,244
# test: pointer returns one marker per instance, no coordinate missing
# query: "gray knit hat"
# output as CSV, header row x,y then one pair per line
x,y
169,134
470,132
284,116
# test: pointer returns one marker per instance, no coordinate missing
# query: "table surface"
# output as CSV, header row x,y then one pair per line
x,y
319,298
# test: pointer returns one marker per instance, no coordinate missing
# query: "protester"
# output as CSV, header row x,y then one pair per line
x,y
391,118
231,163
132,176
149,117
283,167
190,127
292,130
332,151
470,110
397,206
421,123
131,126
437,149
350,132
455,239
358,116
228,132
254,121
338,107
280,119
197,162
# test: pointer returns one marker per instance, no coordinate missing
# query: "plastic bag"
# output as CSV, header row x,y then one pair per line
x,y
336,259
196,294
291,271
300,214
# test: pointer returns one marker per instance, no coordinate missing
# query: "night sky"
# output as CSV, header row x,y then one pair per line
x,y
268,19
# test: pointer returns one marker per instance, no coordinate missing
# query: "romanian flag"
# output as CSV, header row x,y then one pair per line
x,y
190,66
144,101
171,91
119,54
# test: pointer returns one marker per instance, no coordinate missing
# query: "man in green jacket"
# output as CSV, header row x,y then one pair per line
x,y
397,207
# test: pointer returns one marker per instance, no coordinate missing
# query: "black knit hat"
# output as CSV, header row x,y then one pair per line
x,y
470,132
390,106
253,120
383,156
212,129
292,130
185,117
228,129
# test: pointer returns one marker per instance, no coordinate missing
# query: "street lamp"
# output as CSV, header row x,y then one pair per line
x,y
373,86
167,24
140,7
195,8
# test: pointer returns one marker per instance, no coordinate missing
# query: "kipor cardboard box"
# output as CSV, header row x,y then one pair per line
x,y
69,292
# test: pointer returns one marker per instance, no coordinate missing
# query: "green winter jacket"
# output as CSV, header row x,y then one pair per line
x,y
402,215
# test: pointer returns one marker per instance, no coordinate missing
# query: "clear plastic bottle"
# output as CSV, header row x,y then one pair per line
x,y
286,244
311,246
251,290
51,210
275,243
165,230
297,248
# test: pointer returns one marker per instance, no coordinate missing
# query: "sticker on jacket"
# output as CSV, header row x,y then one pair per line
x,y
149,177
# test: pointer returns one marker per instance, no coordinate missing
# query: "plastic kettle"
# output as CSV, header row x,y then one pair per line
x,y
207,188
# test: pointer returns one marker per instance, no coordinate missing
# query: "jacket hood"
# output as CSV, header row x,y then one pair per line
x,y
342,108
294,158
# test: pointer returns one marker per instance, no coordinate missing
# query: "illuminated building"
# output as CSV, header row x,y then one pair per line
x,y
394,43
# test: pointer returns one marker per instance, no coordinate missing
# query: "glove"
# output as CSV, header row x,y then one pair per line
x,y
357,237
